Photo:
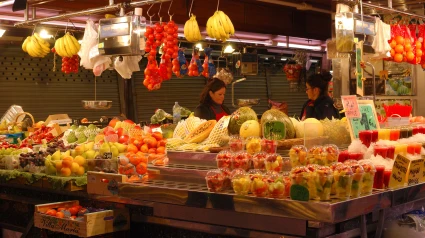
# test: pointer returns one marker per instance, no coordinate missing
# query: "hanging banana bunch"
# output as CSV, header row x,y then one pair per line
x,y
220,27
67,46
191,30
36,46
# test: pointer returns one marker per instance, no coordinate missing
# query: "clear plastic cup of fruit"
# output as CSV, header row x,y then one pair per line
x,y
331,153
304,177
241,183
343,179
298,155
288,183
315,155
224,159
332,166
368,177
236,143
215,180
323,183
269,146
259,160
253,144
227,184
276,185
241,160
274,162
259,185
356,186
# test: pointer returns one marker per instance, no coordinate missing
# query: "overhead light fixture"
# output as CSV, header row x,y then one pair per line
x,y
45,35
2,31
298,46
229,49
284,59
56,23
199,46
265,42
7,3
314,61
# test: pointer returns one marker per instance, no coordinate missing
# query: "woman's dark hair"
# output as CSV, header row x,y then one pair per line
x,y
320,81
213,85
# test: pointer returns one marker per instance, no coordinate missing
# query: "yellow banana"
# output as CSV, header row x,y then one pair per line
x,y
76,44
193,27
65,47
209,32
69,45
57,50
44,45
36,47
214,33
24,45
186,30
219,28
222,19
232,28
61,50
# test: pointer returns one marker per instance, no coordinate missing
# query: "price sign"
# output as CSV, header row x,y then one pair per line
x,y
351,106
399,172
367,121
415,171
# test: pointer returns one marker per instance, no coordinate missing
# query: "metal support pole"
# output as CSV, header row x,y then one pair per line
x,y
34,12
390,3
380,225
26,12
363,226
111,2
373,80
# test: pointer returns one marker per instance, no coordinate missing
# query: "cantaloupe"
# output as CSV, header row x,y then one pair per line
x,y
315,128
250,128
240,116
201,132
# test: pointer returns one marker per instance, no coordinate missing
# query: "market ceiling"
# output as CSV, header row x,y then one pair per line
x,y
309,19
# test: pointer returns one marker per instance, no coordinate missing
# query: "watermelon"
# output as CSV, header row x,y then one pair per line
x,y
240,116
276,117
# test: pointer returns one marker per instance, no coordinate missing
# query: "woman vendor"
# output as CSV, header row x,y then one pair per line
x,y
319,105
211,103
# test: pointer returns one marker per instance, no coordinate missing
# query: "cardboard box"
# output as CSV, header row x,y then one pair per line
x,y
104,183
61,119
95,223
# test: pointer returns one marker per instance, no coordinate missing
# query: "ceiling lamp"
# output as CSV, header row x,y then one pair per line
x,y
229,49
199,46
45,35
2,31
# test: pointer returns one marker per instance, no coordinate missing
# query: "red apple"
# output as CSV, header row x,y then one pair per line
x,y
129,121
113,122
120,132
123,139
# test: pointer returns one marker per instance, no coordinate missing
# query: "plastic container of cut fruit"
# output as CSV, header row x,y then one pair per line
x,y
304,177
259,185
241,160
315,155
274,162
331,153
269,146
224,159
323,183
253,144
35,166
236,143
276,186
368,177
215,180
342,181
241,183
357,185
227,178
298,155
258,160
160,160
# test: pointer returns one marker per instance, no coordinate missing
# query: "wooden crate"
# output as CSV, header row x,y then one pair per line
x,y
96,223
70,186
104,183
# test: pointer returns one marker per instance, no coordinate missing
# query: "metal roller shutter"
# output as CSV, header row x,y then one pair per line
x,y
280,93
30,82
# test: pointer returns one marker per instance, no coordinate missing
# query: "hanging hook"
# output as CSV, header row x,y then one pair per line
x,y
35,26
171,16
190,10
66,28
160,18
150,16
218,4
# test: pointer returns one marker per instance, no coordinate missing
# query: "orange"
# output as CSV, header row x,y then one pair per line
x,y
393,44
407,47
399,49
144,148
132,148
407,40
399,40
410,56
392,53
160,150
152,151
60,215
418,60
151,142
398,57
141,168
418,52
157,135
418,45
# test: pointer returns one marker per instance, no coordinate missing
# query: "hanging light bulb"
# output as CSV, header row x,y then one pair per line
x,y
229,49
199,46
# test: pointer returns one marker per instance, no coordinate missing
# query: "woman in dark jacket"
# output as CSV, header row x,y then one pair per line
x,y
319,105
211,104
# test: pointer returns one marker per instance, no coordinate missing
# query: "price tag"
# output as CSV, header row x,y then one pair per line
x,y
415,171
351,106
399,172
299,193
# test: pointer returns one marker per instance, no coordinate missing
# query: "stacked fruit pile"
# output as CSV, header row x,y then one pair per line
x,y
73,213
191,30
32,162
70,64
44,133
36,46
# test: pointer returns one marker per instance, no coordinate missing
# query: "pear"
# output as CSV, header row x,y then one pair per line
x,y
48,162
67,153
117,125
89,146
121,148
114,151
49,157
80,149
96,154
74,127
73,153
92,127
105,148
51,169
90,154
56,155
84,155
